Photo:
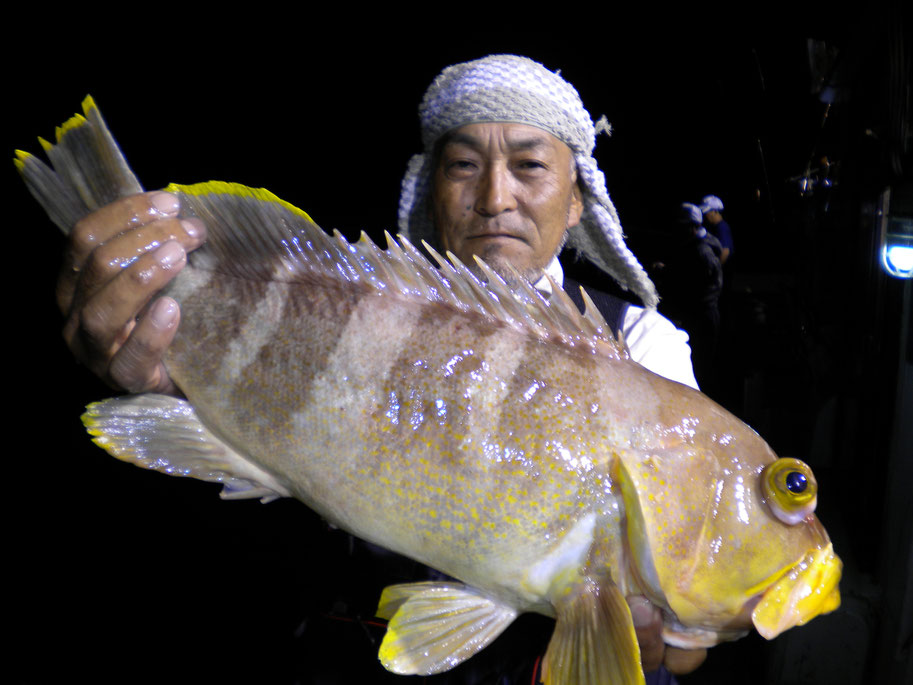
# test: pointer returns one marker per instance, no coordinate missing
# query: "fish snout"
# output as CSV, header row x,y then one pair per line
x,y
808,589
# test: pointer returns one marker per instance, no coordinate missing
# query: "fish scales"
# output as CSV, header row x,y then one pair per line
x,y
419,416
502,439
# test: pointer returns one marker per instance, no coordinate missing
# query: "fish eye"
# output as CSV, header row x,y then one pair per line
x,y
790,490
796,482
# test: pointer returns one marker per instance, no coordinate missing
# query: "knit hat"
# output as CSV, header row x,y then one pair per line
x,y
711,203
689,214
508,88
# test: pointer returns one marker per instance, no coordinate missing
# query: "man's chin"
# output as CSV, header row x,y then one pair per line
x,y
507,270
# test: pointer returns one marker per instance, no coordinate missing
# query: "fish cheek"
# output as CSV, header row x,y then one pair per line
x,y
678,532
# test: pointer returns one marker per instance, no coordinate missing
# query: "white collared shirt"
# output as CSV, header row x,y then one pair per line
x,y
653,341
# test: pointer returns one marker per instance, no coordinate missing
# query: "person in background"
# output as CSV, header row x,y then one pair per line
x,y
712,219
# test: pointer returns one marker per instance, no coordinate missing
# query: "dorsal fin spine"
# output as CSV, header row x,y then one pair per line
x,y
442,287
254,234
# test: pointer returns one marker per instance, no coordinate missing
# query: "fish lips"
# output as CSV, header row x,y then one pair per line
x,y
802,592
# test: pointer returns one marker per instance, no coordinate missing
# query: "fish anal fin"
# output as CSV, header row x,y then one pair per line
x,y
594,642
163,434
435,626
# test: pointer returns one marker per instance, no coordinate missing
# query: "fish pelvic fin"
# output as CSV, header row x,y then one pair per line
x,y
163,434
594,642
434,626
89,170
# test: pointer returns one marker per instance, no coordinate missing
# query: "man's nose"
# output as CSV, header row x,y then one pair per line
x,y
495,194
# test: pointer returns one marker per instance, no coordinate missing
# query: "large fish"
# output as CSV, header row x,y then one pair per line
x,y
507,441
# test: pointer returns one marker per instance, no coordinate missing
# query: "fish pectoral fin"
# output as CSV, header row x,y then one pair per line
x,y
434,626
594,641
163,433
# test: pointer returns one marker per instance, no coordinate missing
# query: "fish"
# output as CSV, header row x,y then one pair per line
x,y
505,439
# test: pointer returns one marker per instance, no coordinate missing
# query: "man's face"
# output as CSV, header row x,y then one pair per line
x,y
712,217
507,193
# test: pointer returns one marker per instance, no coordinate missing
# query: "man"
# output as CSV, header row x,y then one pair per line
x,y
507,174
480,185
713,221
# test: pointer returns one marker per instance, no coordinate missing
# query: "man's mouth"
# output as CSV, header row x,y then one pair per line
x,y
496,235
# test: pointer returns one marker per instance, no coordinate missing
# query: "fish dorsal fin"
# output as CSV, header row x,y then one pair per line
x,y
254,234
434,626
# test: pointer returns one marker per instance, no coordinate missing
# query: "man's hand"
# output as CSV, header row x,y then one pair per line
x,y
648,625
118,258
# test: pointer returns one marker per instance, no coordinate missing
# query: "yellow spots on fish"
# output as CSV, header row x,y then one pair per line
x,y
650,463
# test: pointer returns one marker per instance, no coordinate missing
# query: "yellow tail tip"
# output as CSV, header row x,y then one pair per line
x,y
74,122
88,104
20,159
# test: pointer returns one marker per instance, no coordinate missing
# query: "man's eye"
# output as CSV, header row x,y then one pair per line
x,y
531,164
460,165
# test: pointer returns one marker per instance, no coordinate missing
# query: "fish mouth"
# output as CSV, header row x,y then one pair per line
x,y
802,592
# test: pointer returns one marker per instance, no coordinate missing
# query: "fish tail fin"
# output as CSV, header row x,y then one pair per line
x,y
164,434
87,169
594,642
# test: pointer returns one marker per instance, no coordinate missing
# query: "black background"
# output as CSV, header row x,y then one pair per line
x,y
124,576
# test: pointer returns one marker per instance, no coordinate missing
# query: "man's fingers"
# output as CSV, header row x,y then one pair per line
x,y
112,237
101,320
147,269
106,335
118,258
137,365
124,250
128,213
648,625
101,226
681,661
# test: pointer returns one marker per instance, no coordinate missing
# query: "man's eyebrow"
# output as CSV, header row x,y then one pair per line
x,y
533,141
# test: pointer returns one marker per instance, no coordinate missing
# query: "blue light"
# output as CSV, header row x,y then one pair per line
x,y
897,260
896,236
